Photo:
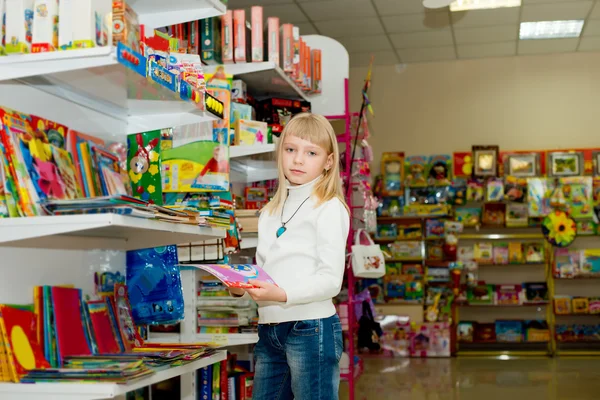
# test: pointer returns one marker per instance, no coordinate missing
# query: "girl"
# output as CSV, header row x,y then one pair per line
x,y
302,236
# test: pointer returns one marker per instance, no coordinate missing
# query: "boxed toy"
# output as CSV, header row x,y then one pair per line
x,y
495,190
434,228
392,170
435,251
210,40
144,165
508,294
431,340
594,305
515,253
221,90
534,253
405,250
227,37
509,331
296,59
535,292
272,40
516,215
317,83
481,294
465,253
125,25
590,262
410,231
484,333
537,331
415,170
465,331
18,20
387,231
307,84
500,253
580,305
241,37
567,263
239,92
287,48
249,133
562,305
257,46
483,253
469,216
240,111
45,26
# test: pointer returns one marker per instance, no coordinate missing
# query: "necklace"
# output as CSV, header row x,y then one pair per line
x,y
282,229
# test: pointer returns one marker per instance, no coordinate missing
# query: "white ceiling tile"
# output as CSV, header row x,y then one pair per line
x,y
395,7
542,46
556,11
416,22
339,9
380,58
429,54
287,13
523,2
595,14
590,44
501,33
487,50
433,38
349,27
591,28
499,16
306,28
358,44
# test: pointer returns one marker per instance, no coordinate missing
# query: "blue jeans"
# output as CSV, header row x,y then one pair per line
x,y
298,360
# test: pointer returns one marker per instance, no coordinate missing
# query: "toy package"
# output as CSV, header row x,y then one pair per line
x,y
586,228
495,190
210,34
485,333
534,253
465,253
387,231
434,228
594,305
307,83
590,262
462,164
469,216
567,263
257,47
272,41
440,168
562,305
465,331
509,331
250,133
410,231
287,48
18,25
416,168
580,305
220,88
45,26
317,69
481,294
412,269
227,37
538,196
392,169
500,253
396,336
508,294
537,331
431,340
240,111
483,253
435,251
391,206
239,92
125,25
515,189
87,25
241,37
515,253
516,215
410,250
144,162
535,292
457,194
475,191
494,214
578,193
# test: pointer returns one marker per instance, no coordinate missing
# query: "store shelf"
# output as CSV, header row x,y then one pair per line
x,y
264,80
98,231
248,171
245,151
409,217
157,13
220,339
90,91
393,260
503,349
249,241
541,304
511,265
97,391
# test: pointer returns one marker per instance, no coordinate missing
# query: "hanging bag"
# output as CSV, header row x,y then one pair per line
x,y
367,260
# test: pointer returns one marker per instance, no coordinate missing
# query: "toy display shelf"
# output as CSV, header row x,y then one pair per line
x,y
540,304
264,80
249,241
156,13
247,170
409,217
527,265
90,91
220,339
98,231
392,240
97,391
245,151
503,350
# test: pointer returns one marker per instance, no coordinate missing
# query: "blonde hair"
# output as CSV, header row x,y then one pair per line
x,y
317,130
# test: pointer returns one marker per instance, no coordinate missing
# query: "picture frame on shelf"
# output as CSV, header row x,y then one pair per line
x,y
565,164
524,165
485,159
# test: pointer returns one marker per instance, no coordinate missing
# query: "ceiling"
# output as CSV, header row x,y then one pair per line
x,y
403,31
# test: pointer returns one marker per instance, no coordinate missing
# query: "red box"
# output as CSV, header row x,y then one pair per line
x,y
227,36
257,47
287,48
272,41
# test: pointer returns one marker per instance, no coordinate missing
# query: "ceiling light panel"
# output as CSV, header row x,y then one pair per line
x,y
550,29
464,5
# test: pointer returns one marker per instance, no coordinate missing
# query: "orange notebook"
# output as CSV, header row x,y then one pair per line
x,y
18,328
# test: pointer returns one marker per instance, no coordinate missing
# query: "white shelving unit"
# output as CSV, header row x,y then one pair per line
x,y
221,339
248,171
98,231
158,13
245,151
264,80
98,391
249,241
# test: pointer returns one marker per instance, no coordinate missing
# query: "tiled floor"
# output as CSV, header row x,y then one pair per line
x,y
478,379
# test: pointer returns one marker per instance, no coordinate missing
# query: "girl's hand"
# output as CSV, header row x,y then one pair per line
x,y
237,291
266,291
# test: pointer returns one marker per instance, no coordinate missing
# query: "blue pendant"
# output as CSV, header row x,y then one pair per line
x,y
281,230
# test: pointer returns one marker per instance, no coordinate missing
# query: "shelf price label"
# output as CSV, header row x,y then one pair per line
x,y
220,339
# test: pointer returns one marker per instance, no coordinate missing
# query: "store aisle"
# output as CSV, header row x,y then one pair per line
x,y
478,379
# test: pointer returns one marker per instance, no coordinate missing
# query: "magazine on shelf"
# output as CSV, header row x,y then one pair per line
x,y
235,275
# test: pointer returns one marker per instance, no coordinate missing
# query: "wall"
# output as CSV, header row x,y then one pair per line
x,y
518,103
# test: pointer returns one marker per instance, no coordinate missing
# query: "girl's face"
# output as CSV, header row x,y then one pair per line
x,y
303,161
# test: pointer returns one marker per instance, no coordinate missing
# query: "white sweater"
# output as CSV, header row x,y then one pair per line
x,y
307,260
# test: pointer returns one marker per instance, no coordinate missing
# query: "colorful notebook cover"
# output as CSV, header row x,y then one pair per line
x,y
102,328
49,346
66,168
129,333
19,331
236,276
74,138
69,323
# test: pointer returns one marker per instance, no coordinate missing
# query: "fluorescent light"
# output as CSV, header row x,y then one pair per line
x,y
550,29
463,5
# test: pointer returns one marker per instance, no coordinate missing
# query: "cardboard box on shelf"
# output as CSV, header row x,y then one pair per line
x,y
257,47
210,40
272,40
